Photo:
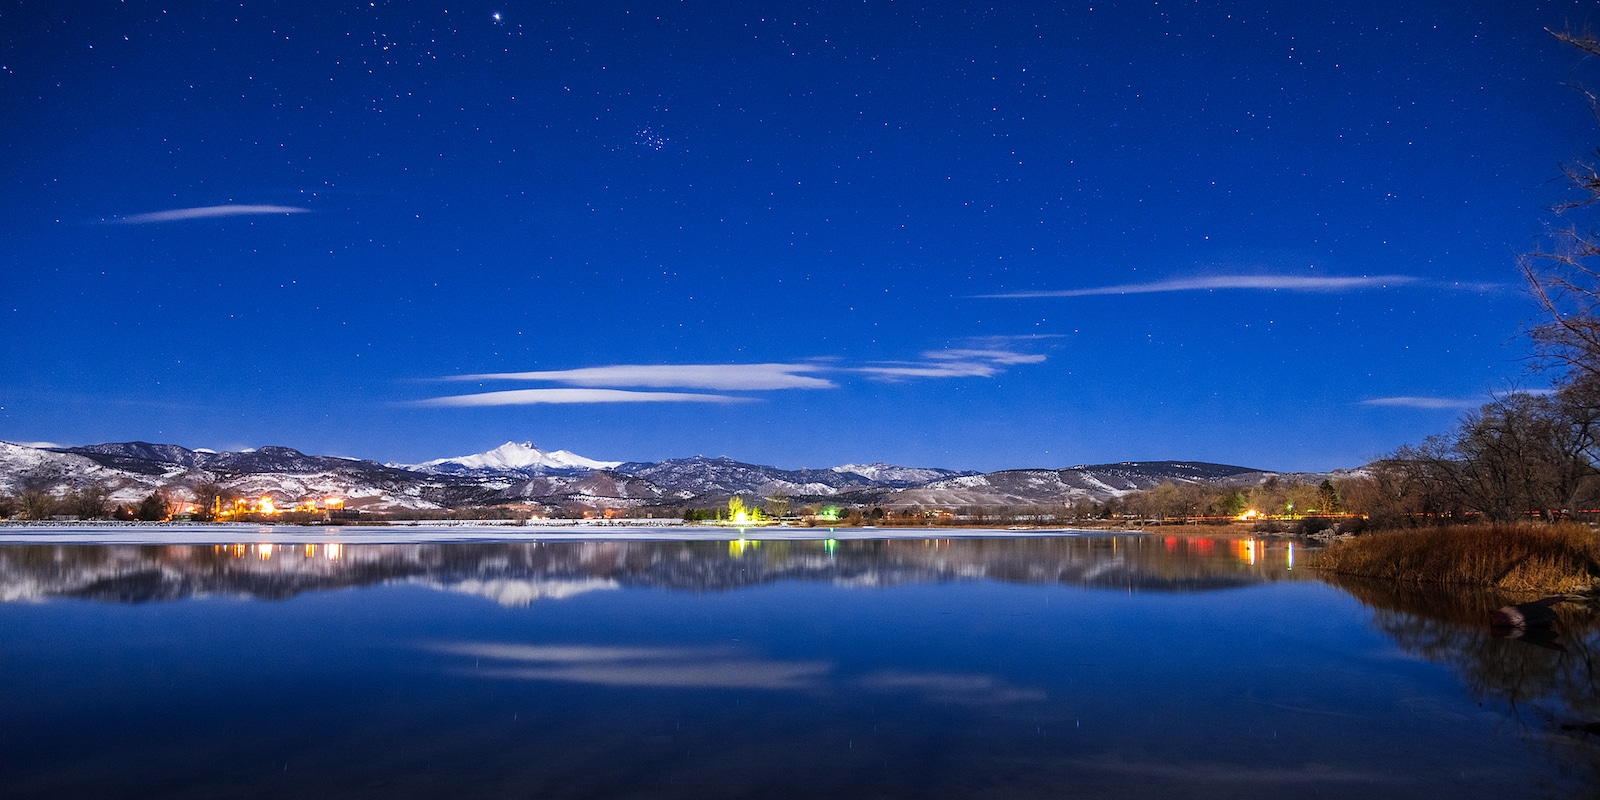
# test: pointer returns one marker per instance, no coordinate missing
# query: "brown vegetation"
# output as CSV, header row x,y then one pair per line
x,y
1525,558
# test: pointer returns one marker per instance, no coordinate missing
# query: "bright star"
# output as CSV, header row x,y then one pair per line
x,y
496,16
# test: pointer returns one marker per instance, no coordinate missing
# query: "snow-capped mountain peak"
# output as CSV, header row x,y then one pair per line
x,y
513,456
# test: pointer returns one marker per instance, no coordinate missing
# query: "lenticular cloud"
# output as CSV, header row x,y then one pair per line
x,y
1292,283
721,377
208,212
530,397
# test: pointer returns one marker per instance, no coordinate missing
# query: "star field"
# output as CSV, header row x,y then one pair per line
x,y
1227,232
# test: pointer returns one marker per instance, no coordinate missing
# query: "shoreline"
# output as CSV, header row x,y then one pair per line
x,y
161,533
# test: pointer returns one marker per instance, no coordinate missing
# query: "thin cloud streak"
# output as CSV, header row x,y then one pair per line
x,y
1449,403
600,384
994,356
532,397
1293,283
720,377
209,212
1425,403
952,369
956,363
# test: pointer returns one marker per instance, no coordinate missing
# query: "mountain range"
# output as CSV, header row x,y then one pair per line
x,y
563,482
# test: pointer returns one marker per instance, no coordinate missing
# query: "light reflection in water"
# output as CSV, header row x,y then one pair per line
x,y
1126,563
816,668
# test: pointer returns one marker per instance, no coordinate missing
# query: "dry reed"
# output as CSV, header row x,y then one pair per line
x,y
1512,558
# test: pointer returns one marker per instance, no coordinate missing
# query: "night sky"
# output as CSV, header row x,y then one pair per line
x,y
1281,235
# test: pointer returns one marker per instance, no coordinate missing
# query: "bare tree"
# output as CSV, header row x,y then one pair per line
x,y
1521,454
1563,276
778,504
37,503
90,502
209,497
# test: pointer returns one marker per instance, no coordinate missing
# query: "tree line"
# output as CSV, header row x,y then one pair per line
x,y
1521,456
36,501
88,502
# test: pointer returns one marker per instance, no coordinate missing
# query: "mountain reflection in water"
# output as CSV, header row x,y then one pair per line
x,y
1144,666
518,574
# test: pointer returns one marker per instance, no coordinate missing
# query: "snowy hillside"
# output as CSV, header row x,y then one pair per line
x,y
562,482
890,474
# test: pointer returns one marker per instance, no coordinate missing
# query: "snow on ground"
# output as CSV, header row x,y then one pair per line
x,y
888,472
966,482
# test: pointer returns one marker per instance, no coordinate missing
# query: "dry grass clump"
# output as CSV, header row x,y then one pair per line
x,y
1512,558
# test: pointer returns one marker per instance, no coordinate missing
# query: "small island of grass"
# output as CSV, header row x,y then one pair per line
x,y
1518,558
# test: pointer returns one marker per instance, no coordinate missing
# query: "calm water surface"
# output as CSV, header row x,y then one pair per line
x,y
1129,666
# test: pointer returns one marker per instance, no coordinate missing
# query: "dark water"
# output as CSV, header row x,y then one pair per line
x,y
1138,666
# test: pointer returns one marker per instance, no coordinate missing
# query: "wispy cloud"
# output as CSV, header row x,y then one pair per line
x,y
1291,283
993,356
1447,403
954,363
208,212
720,377
622,383
1428,403
531,397
649,667
950,369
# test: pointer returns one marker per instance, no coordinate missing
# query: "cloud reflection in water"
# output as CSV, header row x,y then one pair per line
x,y
711,668
945,687
646,667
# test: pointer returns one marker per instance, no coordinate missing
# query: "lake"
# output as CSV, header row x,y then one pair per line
x,y
1069,666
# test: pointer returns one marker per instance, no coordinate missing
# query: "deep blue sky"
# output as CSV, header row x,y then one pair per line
x,y
229,225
